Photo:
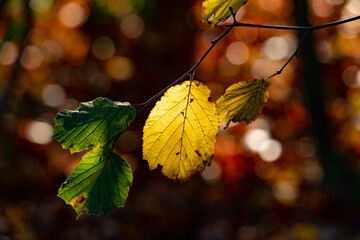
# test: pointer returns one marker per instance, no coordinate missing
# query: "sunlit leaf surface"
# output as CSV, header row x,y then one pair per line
x,y
100,183
180,131
243,101
93,123
220,9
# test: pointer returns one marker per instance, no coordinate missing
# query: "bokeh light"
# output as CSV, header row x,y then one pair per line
x,y
285,192
353,7
279,47
324,51
52,50
351,76
254,138
120,68
270,150
212,173
40,6
132,26
72,14
39,132
9,53
272,6
103,48
322,8
335,2
53,95
261,122
32,57
313,171
261,68
237,53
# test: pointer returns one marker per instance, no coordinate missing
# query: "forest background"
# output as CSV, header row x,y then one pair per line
x,y
291,174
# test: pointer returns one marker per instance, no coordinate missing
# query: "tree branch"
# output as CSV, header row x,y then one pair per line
x,y
295,54
189,72
307,30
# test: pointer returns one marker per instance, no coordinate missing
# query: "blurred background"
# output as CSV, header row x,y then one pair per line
x,y
294,173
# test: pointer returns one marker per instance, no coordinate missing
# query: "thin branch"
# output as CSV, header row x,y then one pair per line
x,y
233,14
334,23
141,106
294,28
251,25
307,30
189,72
295,54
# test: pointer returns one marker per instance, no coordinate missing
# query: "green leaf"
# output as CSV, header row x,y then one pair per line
x,y
100,183
243,101
94,123
220,9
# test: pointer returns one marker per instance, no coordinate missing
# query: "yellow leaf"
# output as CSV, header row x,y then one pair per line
x,y
220,9
181,130
243,101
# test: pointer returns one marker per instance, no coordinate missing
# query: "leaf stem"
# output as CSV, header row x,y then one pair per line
x,y
233,14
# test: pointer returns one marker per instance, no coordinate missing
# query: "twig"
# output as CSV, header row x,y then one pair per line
x,y
295,54
189,72
307,30
233,14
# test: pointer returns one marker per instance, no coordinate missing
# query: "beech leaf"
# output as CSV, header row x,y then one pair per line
x,y
94,123
100,183
180,131
243,101
220,9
